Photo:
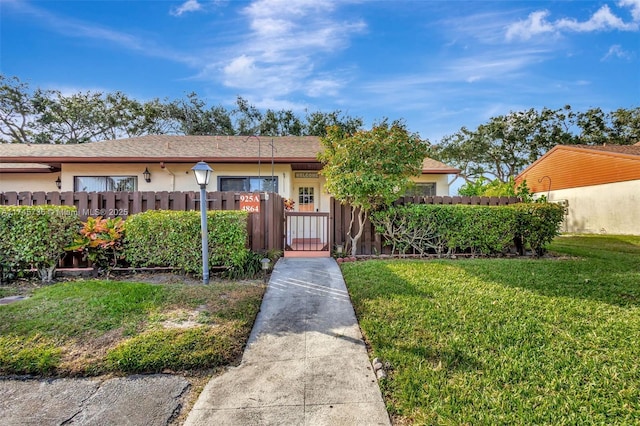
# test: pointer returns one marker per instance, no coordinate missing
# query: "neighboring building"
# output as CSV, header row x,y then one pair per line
x,y
287,165
599,184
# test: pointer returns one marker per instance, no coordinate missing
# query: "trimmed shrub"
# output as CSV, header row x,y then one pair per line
x,y
479,229
426,228
488,230
538,224
36,236
411,227
173,239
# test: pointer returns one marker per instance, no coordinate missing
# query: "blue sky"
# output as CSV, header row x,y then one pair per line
x,y
439,65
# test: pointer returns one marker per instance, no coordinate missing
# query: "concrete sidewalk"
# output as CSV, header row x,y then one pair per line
x,y
305,363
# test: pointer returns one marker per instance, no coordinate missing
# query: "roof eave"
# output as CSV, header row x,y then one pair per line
x,y
194,159
449,171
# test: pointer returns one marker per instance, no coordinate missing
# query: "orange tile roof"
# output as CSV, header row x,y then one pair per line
x,y
182,149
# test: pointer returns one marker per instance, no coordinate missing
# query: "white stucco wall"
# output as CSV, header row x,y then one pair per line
x,y
174,177
179,177
28,182
602,209
441,181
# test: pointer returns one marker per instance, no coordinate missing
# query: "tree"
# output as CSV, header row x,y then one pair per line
x,y
79,118
482,187
370,169
248,117
280,123
318,122
502,147
192,117
17,113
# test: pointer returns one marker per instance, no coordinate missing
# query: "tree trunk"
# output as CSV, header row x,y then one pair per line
x,y
362,217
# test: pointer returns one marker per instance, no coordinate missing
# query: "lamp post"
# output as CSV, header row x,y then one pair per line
x,y
265,263
202,172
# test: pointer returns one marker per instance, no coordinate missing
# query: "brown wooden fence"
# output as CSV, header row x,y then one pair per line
x,y
265,228
371,242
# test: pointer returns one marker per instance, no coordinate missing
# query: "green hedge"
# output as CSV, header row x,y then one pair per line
x,y
538,224
36,236
488,230
173,239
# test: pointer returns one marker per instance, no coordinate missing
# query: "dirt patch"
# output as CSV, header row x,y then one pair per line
x,y
183,318
172,278
80,355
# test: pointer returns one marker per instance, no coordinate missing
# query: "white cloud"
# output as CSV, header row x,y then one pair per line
x,y
616,51
535,24
634,5
323,87
286,42
240,71
602,20
187,6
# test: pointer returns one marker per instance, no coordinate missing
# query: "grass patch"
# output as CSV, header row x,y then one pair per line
x,y
508,341
94,327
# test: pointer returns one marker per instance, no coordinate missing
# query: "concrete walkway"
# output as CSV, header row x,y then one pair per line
x,y
305,363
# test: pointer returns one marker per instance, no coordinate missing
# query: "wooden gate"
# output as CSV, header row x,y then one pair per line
x,y
307,234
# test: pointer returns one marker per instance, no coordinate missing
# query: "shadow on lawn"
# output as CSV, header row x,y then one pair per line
x,y
608,270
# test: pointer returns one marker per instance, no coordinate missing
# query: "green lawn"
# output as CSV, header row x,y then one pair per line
x,y
95,327
508,341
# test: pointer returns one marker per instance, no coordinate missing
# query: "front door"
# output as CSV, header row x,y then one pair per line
x,y
307,199
307,230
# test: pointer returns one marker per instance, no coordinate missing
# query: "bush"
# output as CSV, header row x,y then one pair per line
x,y
101,241
36,236
411,227
173,239
488,230
478,229
538,224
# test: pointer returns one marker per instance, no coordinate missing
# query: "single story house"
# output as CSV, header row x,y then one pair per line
x,y
600,186
286,165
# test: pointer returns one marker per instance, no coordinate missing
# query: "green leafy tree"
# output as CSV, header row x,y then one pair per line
x,y
483,187
192,117
502,147
17,113
79,118
319,122
280,123
370,168
247,116
125,117
620,127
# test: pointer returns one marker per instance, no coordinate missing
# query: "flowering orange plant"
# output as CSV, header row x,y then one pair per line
x,y
288,204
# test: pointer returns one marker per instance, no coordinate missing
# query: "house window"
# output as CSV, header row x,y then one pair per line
x,y
247,183
105,183
422,190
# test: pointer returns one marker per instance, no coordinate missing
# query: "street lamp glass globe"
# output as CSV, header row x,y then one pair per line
x,y
202,172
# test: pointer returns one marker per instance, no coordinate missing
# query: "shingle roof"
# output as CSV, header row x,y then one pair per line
x,y
618,149
182,149
168,148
